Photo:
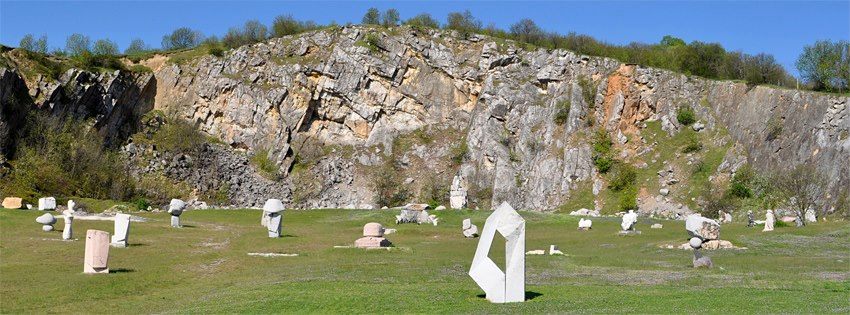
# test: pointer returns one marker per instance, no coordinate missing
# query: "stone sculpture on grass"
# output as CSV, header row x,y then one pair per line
x,y
274,208
585,224
769,220
701,230
122,230
469,230
97,252
67,232
175,208
47,220
373,237
13,203
628,224
508,285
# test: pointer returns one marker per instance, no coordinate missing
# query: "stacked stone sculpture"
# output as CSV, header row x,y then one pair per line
x,y
501,286
701,230
46,204
274,208
97,252
469,230
47,220
122,230
67,232
769,220
175,208
751,220
373,237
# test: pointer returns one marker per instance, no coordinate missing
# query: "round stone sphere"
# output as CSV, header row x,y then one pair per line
x,y
695,242
373,229
47,228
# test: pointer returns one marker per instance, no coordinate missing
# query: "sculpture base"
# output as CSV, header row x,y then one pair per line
x,y
584,229
371,242
90,270
628,233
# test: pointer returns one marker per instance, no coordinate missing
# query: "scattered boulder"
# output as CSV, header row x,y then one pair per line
x,y
373,237
698,126
415,213
664,191
469,230
656,226
13,203
439,208
585,212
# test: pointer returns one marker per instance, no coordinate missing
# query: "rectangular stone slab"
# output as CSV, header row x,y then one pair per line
x,y
97,252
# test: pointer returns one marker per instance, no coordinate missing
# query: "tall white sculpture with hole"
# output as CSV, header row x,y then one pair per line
x,y
499,286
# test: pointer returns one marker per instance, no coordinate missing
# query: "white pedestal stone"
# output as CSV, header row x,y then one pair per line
x,y
499,286
46,203
122,230
97,252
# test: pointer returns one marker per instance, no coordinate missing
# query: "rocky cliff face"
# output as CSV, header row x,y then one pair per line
x,y
495,122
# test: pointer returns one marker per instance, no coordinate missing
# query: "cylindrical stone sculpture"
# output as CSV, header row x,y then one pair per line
x,y
274,209
97,252
67,232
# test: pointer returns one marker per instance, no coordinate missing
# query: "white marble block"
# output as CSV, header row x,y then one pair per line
x,y
97,252
629,220
585,224
122,230
469,230
274,211
46,203
501,286
769,220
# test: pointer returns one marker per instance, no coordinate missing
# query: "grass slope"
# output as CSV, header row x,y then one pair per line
x,y
204,267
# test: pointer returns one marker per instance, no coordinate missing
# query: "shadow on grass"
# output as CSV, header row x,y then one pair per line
x,y
188,226
122,270
529,295
288,235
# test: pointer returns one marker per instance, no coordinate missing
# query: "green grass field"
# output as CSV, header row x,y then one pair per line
x,y
204,267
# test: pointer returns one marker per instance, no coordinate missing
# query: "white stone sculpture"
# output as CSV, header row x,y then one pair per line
x,y
629,220
585,224
47,220
175,208
97,252
274,208
457,194
71,205
67,232
553,250
769,219
46,203
703,228
469,230
499,286
810,215
122,230
373,237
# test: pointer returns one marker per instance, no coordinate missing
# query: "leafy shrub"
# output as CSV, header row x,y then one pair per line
x,y
603,155
389,190
140,69
66,158
434,192
628,199
178,136
623,177
774,128
267,167
562,111
459,153
686,115
588,91
692,144
141,204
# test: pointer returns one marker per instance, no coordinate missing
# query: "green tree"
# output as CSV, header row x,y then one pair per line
x,y
670,41
423,20
527,31
463,22
825,64
182,38
137,45
27,42
372,16
105,47
77,44
391,18
284,25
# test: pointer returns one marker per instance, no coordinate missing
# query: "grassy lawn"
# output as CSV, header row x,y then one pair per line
x,y
204,267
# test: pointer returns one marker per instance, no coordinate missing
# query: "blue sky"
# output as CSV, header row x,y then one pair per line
x,y
780,28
